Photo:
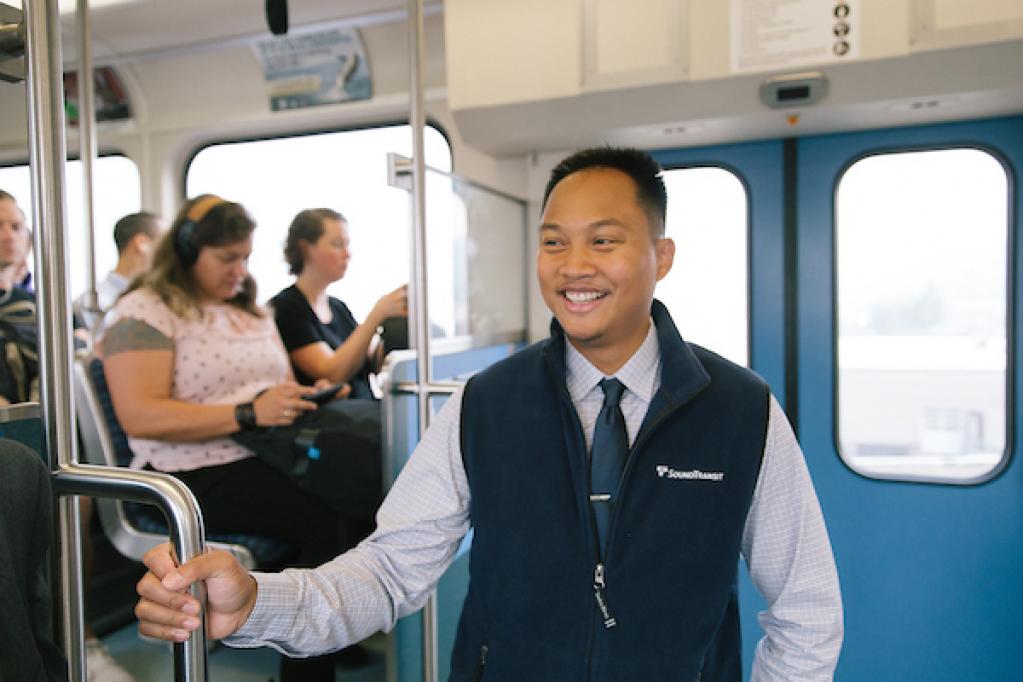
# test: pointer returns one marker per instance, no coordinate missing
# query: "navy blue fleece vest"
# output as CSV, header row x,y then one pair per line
x,y
670,567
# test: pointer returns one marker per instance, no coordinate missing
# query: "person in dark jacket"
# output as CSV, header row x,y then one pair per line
x,y
28,651
613,474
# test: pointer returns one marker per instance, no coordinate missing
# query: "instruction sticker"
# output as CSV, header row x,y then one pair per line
x,y
769,35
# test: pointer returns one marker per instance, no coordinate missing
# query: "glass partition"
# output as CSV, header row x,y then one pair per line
x,y
477,259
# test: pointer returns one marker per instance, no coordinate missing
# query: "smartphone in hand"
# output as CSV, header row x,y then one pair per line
x,y
325,395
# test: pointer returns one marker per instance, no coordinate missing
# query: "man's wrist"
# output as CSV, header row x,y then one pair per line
x,y
251,604
263,617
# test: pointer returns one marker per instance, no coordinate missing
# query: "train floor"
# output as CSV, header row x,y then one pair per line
x,y
152,661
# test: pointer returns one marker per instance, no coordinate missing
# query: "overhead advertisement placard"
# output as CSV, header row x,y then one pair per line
x,y
771,35
109,93
315,69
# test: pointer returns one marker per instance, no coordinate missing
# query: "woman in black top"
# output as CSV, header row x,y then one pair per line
x,y
319,331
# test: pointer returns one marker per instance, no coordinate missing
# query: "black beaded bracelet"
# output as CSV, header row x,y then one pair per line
x,y
245,415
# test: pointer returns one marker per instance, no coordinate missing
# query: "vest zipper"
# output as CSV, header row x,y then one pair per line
x,y
599,577
481,664
599,580
599,570
599,587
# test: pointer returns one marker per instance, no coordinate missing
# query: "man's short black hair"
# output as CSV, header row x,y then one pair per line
x,y
636,163
132,224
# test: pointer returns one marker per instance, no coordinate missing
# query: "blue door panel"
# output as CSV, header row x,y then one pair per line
x,y
931,574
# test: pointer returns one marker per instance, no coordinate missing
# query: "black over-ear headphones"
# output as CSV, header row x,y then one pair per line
x,y
184,247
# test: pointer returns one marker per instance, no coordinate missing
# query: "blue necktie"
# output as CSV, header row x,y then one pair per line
x,y
607,457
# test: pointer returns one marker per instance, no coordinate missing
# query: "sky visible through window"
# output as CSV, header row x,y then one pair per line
x,y
922,265
117,191
706,290
346,171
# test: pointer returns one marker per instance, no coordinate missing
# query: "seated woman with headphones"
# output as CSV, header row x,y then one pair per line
x,y
190,360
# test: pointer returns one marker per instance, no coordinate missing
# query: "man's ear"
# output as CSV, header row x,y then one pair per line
x,y
143,243
664,249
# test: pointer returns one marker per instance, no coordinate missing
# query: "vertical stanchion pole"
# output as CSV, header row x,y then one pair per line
x,y
46,158
47,153
87,146
420,316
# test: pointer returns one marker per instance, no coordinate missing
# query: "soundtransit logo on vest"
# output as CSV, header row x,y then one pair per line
x,y
665,471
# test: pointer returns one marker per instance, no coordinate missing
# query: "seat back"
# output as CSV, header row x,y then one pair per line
x,y
21,422
129,528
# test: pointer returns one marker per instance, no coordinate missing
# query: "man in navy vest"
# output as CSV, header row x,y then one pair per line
x,y
613,475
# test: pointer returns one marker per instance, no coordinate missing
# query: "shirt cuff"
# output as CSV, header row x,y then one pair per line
x,y
273,615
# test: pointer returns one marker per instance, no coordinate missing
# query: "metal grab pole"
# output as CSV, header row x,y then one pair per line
x,y
420,315
87,146
47,153
46,159
420,276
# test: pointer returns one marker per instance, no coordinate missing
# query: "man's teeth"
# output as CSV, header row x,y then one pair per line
x,y
582,296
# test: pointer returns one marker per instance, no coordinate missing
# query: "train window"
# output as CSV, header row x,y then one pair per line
x,y
706,290
922,270
118,192
346,171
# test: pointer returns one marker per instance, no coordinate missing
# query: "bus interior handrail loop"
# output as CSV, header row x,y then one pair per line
x,y
184,519
435,388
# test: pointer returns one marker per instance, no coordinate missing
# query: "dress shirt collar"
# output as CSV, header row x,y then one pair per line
x,y
640,374
117,279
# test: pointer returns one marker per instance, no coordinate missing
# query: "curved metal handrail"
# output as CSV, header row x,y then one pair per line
x,y
184,518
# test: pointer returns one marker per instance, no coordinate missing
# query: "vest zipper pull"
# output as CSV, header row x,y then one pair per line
x,y
599,585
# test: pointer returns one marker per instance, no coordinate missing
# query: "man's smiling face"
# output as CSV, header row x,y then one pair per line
x,y
598,263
